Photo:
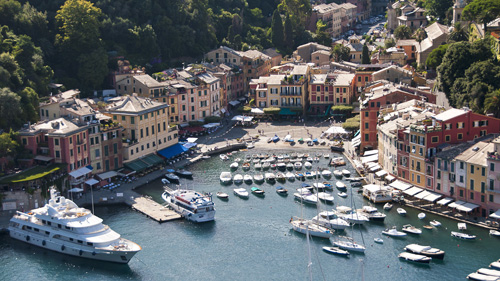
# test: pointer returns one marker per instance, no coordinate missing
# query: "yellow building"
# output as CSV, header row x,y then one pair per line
x,y
417,156
145,123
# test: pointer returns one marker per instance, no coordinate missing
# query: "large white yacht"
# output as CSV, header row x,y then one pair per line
x,y
64,227
190,204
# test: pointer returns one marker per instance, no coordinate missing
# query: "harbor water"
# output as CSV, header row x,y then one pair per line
x,y
252,240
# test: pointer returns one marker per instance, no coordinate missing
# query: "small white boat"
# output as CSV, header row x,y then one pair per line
x,y
414,257
318,186
326,155
307,165
258,166
346,173
337,174
246,166
462,226
401,211
241,192
341,186
310,227
425,250
226,177
393,232
481,277
490,272
325,196
234,165
494,233
165,181
238,178
289,166
435,223
421,216
250,145
411,229
270,177
342,194
463,235
298,165
290,176
247,178
266,165
326,173
224,157
222,195
306,196
495,265
258,178
387,206
316,159
281,190
330,219
350,245
336,250
378,240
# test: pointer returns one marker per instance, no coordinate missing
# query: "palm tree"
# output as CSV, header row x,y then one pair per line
x,y
492,103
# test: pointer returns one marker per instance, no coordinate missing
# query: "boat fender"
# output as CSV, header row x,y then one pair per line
x,y
81,252
93,253
28,238
63,247
44,243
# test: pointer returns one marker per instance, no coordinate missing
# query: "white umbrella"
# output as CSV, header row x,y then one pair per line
x,y
76,189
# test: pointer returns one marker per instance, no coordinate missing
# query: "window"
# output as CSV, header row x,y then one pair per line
x,y
132,120
115,148
483,187
461,192
56,141
492,166
366,114
491,198
472,169
71,152
58,154
471,184
435,139
367,137
367,125
472,196
97,153
461,179
71,140
447,138
461,165
418,178
438,186
483,171
492,184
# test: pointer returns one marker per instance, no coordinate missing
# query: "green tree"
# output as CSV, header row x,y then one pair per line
x,y
482,11
402,32
93,68
389,43
29,104
322,37
341,53
365,55
458,34
8,144
10,109
277,32
436,56
289,41
438,8
492,103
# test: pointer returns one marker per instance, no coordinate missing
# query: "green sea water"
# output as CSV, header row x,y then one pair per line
x,y
252,240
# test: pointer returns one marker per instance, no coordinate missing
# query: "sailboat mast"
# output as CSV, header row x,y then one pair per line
x,y
309,264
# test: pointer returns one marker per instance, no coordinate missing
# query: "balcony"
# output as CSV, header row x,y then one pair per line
x,y
428,172
109,126
172,129
425,129
493,156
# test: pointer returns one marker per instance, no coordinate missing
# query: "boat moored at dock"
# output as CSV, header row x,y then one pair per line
x,y
190,204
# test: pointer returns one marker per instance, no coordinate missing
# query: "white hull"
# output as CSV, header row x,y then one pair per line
x,y
71,248
350,246
190,216
315,230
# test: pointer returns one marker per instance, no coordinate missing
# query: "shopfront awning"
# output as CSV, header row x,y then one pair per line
x,y
432,197
375,168
188,145
389,178
456,204
92,182
496,215
467,207
172,151
422,194
287,111
381,173
397,184
136,165
81,172
152,159
370,152
445,201
371,158
192,139
107,175
256,110
413,191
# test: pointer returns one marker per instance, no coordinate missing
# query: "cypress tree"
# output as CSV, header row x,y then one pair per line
x,y
365,56
277,34
288,33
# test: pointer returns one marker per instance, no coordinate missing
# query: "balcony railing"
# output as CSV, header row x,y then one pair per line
x,y
493,156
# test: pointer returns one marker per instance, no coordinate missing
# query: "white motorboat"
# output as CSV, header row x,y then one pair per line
x,y
247,179
481,277
331,220
226,177
258,166
401,211
165,181
280,177
495,265
342,194
337,174
325,196
353,217
270,177
336,251
281,190
415,258
298,165
393,232
307,165
435,223
238,178
346,173
256,161
190,204
310,227
50,226
411,229
266,165
425,250
258,178
289,166
387,206
306,198
316,159
234,165
372,213
222,195
241,192
326,155
257,191
349,245
224,157
494,233
421,216
318,186
462,235
377,194
281,166
326,174
462,226
172,177
378,240
490,272
341,186
184,174
290,176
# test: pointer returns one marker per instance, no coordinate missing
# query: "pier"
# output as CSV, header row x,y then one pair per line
x,y
153,210
227,148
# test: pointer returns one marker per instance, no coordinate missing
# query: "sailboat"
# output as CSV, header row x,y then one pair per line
x,y
348,243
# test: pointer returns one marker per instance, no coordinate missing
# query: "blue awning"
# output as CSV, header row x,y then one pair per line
x,y
172,151
287,111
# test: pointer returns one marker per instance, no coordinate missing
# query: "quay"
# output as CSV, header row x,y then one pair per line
x,y
227,148
152,209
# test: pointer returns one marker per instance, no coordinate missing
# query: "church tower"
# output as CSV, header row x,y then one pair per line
x,y
458,8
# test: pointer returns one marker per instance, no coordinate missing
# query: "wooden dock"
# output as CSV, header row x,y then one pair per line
x,y
154,210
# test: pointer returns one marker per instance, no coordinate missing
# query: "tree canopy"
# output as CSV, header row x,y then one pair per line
x,y
341,53
402,32
277,31
482,11
365,55
436,56
438,9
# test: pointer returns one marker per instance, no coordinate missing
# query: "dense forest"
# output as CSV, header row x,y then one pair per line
x,y
78,42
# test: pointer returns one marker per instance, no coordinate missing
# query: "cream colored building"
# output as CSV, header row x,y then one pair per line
x,y
145,123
